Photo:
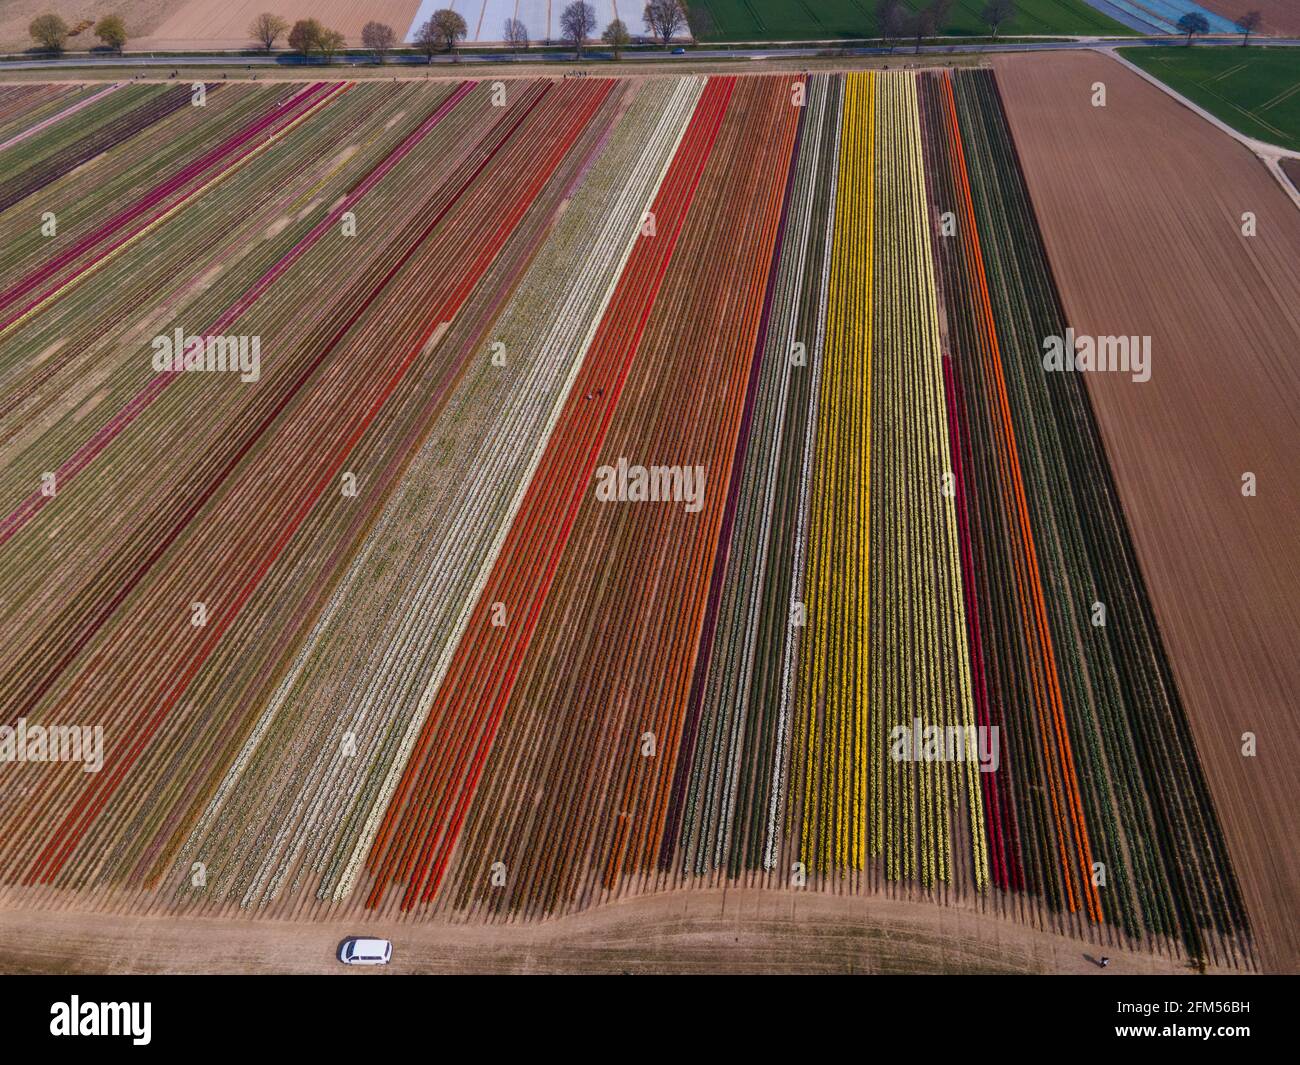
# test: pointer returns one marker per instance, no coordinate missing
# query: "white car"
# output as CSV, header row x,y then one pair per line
x,y
358,951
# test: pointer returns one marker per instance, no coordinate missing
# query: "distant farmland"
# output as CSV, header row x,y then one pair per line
x,y
795,20
1255,90
1281,17
640,485
202,24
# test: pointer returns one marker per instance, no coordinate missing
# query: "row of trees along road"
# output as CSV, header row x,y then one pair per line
x,y
441,32
51,33
896,21
665,19
1194,22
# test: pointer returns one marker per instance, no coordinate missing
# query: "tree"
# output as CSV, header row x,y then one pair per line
x,y
665,19
112,31
49,32
516,35
896,26
617,37
330,44
997,12
923,26
940,10
577,23
699,20
449,27
306,35
889,22
1248,24
1193,23
427,39
380,39
266,29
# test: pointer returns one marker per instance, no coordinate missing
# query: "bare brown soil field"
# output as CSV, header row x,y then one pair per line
x,y
141,17
1281,17
203,24
1140,204
1291,168
737,931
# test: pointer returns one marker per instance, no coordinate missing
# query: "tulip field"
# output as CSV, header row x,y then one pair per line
x,y
390,623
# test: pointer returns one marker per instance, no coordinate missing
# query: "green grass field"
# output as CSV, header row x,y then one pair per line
x,y
1254,90
810,20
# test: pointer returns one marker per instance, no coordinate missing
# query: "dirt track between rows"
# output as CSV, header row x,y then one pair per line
x,y
691,932
1141,206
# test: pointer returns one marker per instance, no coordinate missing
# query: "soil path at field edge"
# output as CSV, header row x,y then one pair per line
x,y
746,931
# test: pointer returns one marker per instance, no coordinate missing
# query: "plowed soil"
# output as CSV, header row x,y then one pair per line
x,y
203,24
1291,168
1141,205
1281,17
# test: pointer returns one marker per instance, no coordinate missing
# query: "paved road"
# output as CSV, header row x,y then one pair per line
x,y
138,59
